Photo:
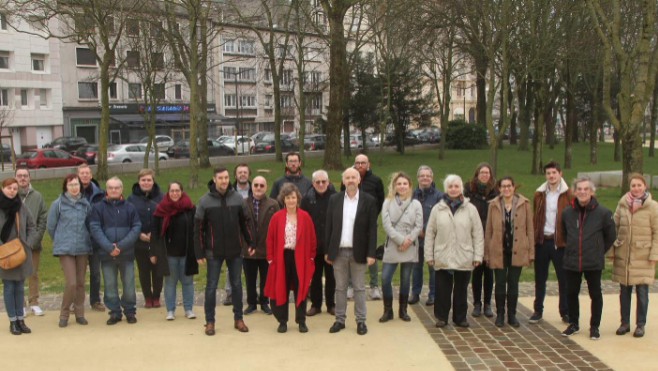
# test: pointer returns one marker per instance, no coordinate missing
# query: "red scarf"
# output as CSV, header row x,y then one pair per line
x,y
167,208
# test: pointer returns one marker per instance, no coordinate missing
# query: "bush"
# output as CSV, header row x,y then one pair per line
x,y
461,135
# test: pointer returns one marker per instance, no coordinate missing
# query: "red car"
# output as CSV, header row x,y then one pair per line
x,y
47,157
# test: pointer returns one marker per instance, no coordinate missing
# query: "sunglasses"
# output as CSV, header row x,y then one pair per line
x,y
321,181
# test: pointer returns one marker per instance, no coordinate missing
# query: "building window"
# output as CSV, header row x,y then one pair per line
x,y
286,78
113,90
38,62
134,90
246,47
4,97
268,75
132,59
3,21
229,100
43,97
157,61
85,57
24,100
178,92
229,46
4,60
132,27
286,101
316,101
88,90
247,101
230,73
159,91
268,100
248,74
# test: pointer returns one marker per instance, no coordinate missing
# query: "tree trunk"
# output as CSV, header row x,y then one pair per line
x,y
569,124
632,156
654,120
204,160
481,64
337,53
104,130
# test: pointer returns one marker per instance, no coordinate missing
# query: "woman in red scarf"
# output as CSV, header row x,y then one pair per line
x,y
291,246
173,247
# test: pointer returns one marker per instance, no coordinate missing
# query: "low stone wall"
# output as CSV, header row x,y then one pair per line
x,y
609,179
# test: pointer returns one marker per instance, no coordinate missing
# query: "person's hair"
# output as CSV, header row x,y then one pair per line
x,y
115,178
290,154
552,165
584,178
423,168
235,170
287,190
219,169
342,175
318,173
452,179
394,178
473,184
22,168
146,172
637,176
175,182
9,181
84,166
68,178
507,177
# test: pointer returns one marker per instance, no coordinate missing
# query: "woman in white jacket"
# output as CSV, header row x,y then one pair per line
x,y
402,217
454,245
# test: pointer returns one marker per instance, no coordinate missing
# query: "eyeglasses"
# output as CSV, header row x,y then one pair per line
x,y
256,185
114,188
73,185
360,163
22,175
175,191
321,182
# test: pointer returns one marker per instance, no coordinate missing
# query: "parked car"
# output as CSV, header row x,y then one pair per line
x,y
287,145
245,144
6,152
88,153
314,142
124,153
182,149
162,141
47,157
68,144
259,136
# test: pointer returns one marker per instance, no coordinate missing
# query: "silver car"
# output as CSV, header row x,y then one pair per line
x,y
124,153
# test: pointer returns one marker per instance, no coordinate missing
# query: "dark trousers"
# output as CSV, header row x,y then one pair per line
x,y
593,279
94,278
329,284
642,293
151,282
451,287
544,255
280,310
482,274
253,268
507,284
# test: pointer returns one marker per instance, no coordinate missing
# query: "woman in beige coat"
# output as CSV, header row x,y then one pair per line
x,y
635,252
509,246
454,245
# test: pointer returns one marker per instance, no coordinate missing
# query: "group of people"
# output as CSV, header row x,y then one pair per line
x,y
318,242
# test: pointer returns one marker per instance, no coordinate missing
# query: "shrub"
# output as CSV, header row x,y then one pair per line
x,y
461,135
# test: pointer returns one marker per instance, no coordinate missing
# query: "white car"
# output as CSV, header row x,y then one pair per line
x,y
125,153
163,142
245,144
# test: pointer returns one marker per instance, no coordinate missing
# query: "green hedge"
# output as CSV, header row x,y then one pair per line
x,y
462,135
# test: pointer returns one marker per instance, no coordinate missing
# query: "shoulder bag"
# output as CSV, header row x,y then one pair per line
x,y
12,253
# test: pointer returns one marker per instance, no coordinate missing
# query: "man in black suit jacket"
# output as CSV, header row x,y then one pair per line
x,y
351,239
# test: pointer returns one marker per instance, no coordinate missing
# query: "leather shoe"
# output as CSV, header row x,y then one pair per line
x,y
23,327
331,310
63,322
210,329
623,329
414,299
266,308
250,309
639,332
441,324
463,324
302,328
429,302
240,326
113,320
337,326
81,321
14,329
282,328
313,311
130,318
361,328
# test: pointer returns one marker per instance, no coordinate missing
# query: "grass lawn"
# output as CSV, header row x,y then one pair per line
x,y
511,162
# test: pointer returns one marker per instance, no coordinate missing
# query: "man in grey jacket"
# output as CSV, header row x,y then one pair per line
x,y
34,202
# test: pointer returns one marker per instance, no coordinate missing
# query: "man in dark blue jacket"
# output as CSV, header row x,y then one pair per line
x,y
220,220
115,226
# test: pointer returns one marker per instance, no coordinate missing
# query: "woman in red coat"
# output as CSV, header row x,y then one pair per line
x,y
291,245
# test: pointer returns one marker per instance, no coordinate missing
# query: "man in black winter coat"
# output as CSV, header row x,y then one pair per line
x,y
589,232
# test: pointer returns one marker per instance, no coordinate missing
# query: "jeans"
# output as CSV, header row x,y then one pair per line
x,y
451,286
417,274
388,270
234,266
14,294
544,255
345,268
94,278
177,273
642,292
482,273
111,271
74,268
255,270
150,281
593,279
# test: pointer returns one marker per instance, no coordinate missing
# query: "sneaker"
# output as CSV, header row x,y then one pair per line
x,y
350,293
594,333
170,316
375,293
36,310
189,314
535,318
572,329
25,312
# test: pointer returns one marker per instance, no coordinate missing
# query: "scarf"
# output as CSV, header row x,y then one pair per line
x,y
453,204
635,203
10,206
167,208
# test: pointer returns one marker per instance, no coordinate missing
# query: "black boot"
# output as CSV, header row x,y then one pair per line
x,y
500,310
388,310
23,327
13,328
511,311
403,309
